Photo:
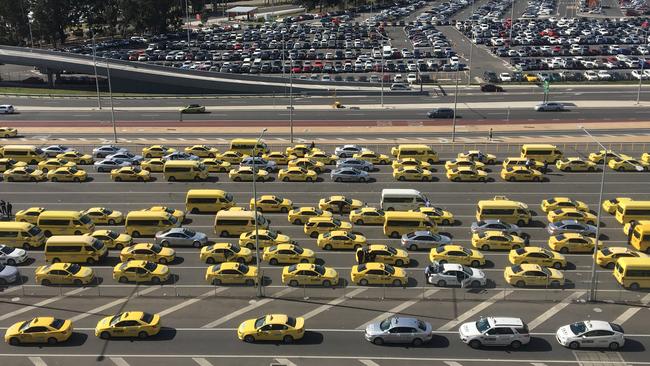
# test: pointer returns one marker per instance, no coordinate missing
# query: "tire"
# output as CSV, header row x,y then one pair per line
x,y
574,345
511,179
399,262
287,339
591,169
105,335
140,179
250,246
56,260
171,179
196,244
521,223
520,284
135,234
474,343
118,179
76,180
143,335
401,179
46,282
54,179
359,222
216,282
148,156
14,341
485,247
564,250
441,283
111,222
481,179
475,284
32,179
536,179
558,265
225,233
285,179
413,247
614,346
634,286
327,247
77,282
337,179
273,262
442,262
313,234
249,282
327,283
309,180
155,280
249,339
476,264
362,180
163,261
164,243
210,260
11,262
293,283
284,210
394,234
456,179
297,222
515,344
445,222
378,341
397,283
567,169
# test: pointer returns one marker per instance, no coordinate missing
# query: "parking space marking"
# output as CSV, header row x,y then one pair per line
x,y
368,362
475,310
627,314
189,302
119,361
332,303
99,309
453,363
589,358
42,303
248,308
37,361
397,309
202,361
285,362
554,309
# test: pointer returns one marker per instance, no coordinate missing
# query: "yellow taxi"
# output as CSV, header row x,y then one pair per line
x,y
156,151
298,150
521,174
148,252
478,155
516,161
63,274
278,157
303,274
141,271
272,203
452,253
645,157
29,214
610,206
571,213
307,163
288,253
202,151
76,157
494,240
178,214
575,164
231,156
332,203
531,78
322,156
104,216
7,132
463,162
537,255
412,174
129,324
234,273
372,157
437,215
154,165
367,216
6,163
572,243
319,225
130,174
410,162
597,157
265,238
67,174
522,275
215,165
297,174
555,203
300,215
42,329
112,239
607,256
385,254
465,174
374,273
339,239
628,165
23,174
272,327
54,163
225,252
245,174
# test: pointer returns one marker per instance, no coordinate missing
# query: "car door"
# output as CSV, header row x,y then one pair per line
x,y
380,256
590,339
287,256
456,256
311,277
490,337
393,335
37,334
144,254
541,258
121,328
504,336
450,277
142,275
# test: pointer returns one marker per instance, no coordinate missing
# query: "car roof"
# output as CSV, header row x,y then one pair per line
x,y
506,321
276,319
598,324
404,322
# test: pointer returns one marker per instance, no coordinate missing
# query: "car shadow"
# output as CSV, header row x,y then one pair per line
x,y
211,179
632,345
437,341
537,344
414,263
488,264
165,334
177,260
28,262
76,339
309,338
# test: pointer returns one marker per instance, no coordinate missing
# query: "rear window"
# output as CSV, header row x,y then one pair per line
x,y
57,323
147,318
291,321
520,251
616,327
522,330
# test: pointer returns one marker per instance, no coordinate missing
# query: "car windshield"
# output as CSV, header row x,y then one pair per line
x,y
74,268
336,222
482,325
189,233
112,234
516,269
156,248
35,230
578,328
150,266
272,234
390,269
385,324
85,219
546,271
97,244
468,271
319,269
259,322
291,321
298,249
6,250
616,328
243,268
229,197
114,320
25,326
351,236
147,318
73,170
606,251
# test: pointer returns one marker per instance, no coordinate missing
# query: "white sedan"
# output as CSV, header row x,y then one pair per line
x,y
453,274
604,75
591,333
12,256
505,77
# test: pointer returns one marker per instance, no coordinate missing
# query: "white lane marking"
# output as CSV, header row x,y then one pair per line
x,y
111,304
37,361
119,361
191,301
554,309
453,363
42,303
332,303
627,314
248,308
475,310
537,364
397,309
285,362
368,362
202,361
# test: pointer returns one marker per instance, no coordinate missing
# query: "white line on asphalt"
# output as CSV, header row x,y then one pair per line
x,y
397,309
475,310
119,361
332,303
191,301
285,362
453,363
248,308
42,303
627,314
368,362
37,361
99,309
537,364
554,309
202,361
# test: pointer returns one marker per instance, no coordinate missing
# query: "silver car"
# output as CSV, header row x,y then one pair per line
x,y
349,175
107,165
485,225
260,163
346,151
180,236
571,226
495,331
54,150
180,155
8,274
398,329
454,274
12,256
424,240
355,163
106,150
126,156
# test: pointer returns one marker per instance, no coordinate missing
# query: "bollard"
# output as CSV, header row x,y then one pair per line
x,y
304,292
508,114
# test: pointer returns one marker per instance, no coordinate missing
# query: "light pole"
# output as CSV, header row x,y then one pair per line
x,y
187,17
110,98
512,22
30,20
471,49
99,100
257,240
291,101
638,92
453,122
382,79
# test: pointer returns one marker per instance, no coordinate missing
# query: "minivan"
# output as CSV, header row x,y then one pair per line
x,y
21,234
29,154
65,223
541,152
245,146
208,200
402,199
74,249
632,211
233,223
147,223
501,208
441,113
398,223
185,170
418,152
633,273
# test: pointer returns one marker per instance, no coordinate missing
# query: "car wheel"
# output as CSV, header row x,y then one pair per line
x,y
249,282
515,344
287,339
399,262
155,280
196,244
413,247
46,282
273,261
591,169
164,243
148,156
567,169
327,283
520,284
362,180
394,234
284,210
293,283
620,169
564,250
337,179
511,179
378,341
521,223
397,283
613,346
76,180
162,261
417,342
634,286
297,222
485,247
456,179
225,233
209,260
250,246
249,339
574,345
475,284
216,282
14,341
327,247
123,279
77,282
445,222
481,179
401,179
143,335
474,343
54,179
91,261
558,265
309,179
441,283
285,179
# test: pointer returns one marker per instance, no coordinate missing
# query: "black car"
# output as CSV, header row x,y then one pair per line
x,y
491,88
441,113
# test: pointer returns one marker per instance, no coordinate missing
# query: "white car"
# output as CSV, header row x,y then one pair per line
x,y
495,331
505,77
591,333
7,109
591,75
411,78
54,150
12,256
454,274
604,75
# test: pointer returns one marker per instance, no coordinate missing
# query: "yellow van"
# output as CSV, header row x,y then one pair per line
x,y
233,223
504,209
541,152
418,152
208,200
30,154
65,223
185,170
21,234
640,238
633,273
398,223
74,249
245,146
148,223
632,211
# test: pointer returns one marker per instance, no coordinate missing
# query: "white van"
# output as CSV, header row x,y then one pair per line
x,y
402,199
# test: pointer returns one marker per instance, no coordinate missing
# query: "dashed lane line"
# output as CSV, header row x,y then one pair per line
x,y
332,303
627,314
397,309
554,309
475,310
453,363
202,361
248,308
111,304
42,303
119,361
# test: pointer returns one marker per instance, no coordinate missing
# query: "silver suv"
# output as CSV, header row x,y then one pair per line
x,y
397,329
495,331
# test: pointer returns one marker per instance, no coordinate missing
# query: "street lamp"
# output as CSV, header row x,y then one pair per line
x,y
291,100
99,101
187,17
110,97
638,92
453,122
30,20
257,240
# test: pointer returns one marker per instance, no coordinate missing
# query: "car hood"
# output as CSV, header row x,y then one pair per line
x,y
17,253
14,329
477,273
9,271
84,272
469,329
373,328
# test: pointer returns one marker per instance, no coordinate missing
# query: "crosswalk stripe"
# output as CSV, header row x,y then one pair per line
x,y
627,314
37,361
397,309
119,361
554,309
475,310
453,363
332,303
285,362
368,362
246,309
42,303
202,361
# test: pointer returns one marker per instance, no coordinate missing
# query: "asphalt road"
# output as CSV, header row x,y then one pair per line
x,y
199,317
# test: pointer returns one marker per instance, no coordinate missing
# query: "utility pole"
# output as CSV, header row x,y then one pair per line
x,y
110,98
187,16
257,239
453,122
99,100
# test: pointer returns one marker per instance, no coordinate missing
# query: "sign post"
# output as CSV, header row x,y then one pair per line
x,y
547,89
